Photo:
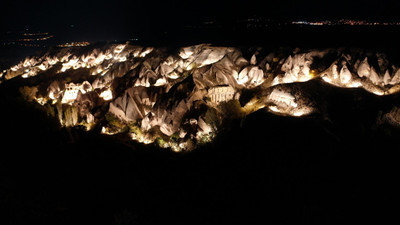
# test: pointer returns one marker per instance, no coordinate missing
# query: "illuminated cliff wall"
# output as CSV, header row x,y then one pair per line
x,y
179,99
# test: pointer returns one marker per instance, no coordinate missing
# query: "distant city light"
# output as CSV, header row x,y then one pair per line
x,y
345,22
27,39
74,44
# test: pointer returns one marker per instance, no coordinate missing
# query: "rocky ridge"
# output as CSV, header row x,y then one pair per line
x,y
180,98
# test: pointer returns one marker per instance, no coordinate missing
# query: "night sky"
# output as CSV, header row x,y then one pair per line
x,y
122,17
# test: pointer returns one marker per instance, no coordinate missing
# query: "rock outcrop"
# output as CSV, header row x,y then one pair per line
x,y
178,99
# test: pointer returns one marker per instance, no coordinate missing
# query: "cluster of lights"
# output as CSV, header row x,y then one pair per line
x,y
28,40
345,22
35,34
20,44
35,39
74,44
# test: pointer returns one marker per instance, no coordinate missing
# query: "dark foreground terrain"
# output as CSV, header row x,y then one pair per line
x,y
335,167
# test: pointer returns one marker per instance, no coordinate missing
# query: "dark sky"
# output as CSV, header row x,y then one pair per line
x,y
123,17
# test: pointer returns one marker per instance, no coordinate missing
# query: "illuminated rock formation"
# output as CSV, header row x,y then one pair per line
x,y
352,72
180,99
221,94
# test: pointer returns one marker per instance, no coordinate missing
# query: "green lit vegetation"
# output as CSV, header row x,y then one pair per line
x,y
161,142
116,124
134,127
204,139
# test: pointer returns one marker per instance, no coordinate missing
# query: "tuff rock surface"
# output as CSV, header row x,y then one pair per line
x,y
180,98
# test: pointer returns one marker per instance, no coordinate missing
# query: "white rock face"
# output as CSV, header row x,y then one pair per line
x,y
296,68
282,98
159,94
131,106
364,69
345,75
71,91
221,94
